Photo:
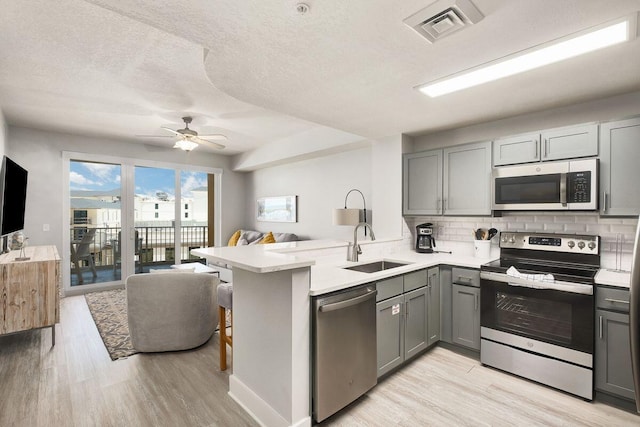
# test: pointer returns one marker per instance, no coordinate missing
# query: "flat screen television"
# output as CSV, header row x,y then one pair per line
x,y
13,180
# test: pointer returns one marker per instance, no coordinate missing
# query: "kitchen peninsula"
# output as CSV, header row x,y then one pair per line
x,y
273,286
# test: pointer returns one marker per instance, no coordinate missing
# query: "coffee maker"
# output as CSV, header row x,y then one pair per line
x,y
424,238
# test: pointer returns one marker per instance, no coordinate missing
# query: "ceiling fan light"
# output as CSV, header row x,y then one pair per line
x,y
185,145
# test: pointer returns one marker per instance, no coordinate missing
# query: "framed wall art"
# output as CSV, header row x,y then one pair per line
x,y
278,209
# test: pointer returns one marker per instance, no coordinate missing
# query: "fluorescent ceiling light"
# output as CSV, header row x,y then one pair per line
x,y
539,56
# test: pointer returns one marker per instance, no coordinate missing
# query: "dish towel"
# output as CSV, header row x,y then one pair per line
x,y
545,278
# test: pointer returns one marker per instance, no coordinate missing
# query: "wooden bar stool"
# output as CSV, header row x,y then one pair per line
x,y
225,302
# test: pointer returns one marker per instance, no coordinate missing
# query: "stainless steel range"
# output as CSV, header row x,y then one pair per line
x,y
537,309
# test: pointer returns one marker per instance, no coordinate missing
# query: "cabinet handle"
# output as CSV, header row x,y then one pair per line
x,y
475,297
600,327
536,141
446,205
464,279
406,311
619,301
604,202
545,148
438,203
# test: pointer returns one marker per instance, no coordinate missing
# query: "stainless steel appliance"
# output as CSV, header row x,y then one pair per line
x,y
566,185
424,238
634,316
344,349
537,309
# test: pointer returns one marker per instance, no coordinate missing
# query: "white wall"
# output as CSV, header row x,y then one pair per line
x,y
321,185
386,186
40,152
3,134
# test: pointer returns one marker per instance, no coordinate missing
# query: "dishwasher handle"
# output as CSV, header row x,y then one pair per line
x,y
348,303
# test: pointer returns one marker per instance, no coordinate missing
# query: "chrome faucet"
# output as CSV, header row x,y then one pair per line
x,y
356,247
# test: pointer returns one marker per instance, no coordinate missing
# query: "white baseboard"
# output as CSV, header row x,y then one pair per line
x,y
260,410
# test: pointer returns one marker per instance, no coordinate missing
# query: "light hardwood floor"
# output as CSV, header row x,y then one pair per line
x,y
76,384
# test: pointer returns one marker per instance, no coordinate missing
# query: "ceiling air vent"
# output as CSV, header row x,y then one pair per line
x,y
444,17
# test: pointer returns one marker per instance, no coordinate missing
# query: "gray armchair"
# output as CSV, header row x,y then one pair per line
x,y
173,311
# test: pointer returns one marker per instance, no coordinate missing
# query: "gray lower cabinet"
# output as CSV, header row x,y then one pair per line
x,y
613,372
433,302
390,330
416,322
445,304
404,317
619,171
465,302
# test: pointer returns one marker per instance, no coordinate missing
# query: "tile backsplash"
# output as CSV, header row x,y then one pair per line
x,y
616,234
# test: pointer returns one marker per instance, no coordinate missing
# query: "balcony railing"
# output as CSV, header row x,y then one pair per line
x,y
154,247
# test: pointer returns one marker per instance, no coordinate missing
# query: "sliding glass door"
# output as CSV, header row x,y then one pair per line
x,y
127,217
95,214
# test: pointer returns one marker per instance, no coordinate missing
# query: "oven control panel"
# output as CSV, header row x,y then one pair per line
x,y
571,243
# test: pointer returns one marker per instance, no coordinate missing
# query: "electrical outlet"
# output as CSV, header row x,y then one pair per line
x,y
45,227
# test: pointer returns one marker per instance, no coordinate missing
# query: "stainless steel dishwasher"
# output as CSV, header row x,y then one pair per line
x,y
344,349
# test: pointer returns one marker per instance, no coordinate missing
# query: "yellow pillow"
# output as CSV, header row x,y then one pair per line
x,y
267,239
234,238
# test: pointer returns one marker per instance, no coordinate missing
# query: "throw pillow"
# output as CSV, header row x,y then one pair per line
x,y
268,238
249,237
234,238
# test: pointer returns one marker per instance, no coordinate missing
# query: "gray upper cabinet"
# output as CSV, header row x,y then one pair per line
x,y
511,150
453,181
467,179
552,144
569,142
422,183
619,171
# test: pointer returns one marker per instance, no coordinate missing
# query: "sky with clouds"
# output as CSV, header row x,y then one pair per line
x,y
148,181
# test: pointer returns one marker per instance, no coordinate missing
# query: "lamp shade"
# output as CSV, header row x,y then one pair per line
x,y
346,216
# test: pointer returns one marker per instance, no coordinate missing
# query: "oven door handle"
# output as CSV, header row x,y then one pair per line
x,y
574,288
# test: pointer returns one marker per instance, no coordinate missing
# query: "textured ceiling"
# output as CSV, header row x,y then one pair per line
x,y
259,72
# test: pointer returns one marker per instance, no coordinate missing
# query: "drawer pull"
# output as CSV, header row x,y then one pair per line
x,y
465,278
619,301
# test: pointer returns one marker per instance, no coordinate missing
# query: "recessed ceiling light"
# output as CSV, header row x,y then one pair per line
x,y
596,38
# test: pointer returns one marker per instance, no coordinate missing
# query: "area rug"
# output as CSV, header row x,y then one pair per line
x,y
109,311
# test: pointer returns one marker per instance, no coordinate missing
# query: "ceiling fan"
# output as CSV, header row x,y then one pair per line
x,y
189,138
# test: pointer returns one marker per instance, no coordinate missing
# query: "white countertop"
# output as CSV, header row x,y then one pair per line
x,y
267,258
330,278
621,279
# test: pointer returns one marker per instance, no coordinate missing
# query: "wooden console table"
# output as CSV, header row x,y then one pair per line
x,y
30,290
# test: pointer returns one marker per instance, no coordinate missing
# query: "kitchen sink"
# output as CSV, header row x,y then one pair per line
x,y
374,267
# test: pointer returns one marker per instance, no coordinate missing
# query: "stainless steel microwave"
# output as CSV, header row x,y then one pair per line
x,y
566,185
